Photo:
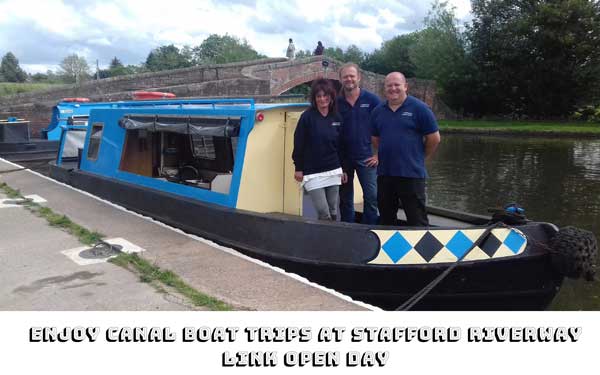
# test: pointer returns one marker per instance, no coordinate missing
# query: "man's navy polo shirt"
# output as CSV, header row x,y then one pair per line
x,y
401,147
356,131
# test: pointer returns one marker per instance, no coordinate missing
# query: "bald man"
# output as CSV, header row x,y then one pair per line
x,y
405,134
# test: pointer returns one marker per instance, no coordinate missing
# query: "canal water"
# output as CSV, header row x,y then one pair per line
x,y
555,179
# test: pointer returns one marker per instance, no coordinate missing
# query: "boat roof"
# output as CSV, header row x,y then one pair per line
x,y
74,108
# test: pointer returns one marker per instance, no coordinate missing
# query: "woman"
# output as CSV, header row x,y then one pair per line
x,y
316,150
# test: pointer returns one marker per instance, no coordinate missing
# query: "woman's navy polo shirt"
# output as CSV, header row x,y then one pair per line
x,y
401,148
317,142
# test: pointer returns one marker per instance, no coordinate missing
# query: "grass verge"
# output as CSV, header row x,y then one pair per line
x,y
574,128
12,88
56,220
148,272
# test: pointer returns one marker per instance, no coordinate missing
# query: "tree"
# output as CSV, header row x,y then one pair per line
x,y
303,53
10,71
115,63
354,54
438,52
222,49
74,69
116,68
535,58
351,54
392,56
165,58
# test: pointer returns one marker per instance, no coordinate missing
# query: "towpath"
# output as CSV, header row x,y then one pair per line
x,y
35,273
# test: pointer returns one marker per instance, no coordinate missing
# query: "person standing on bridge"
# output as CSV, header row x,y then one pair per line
x,y
320,49
316,151
355,105
290,53
405,135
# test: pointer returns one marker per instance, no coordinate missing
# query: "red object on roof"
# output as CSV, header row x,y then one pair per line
x,y
145,95
76,100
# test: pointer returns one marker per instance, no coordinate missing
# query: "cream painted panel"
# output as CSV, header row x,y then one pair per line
x,y
261,186
292,194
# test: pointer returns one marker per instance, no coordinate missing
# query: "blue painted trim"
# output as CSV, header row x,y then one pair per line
x,y
63,110
63,136
113,138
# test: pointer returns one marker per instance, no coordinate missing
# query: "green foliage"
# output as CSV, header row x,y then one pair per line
x,y
589,113
10,71
149,273
49,78
393,56
525,127
165,58
303,89
56,220
438,53
116,68
74,69
9,88
351,54
303,53
534,58
222,49
115,63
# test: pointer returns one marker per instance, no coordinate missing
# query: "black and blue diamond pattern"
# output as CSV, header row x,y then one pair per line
x,y
446,245
396,247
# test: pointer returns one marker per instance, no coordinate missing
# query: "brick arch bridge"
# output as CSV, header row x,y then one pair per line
x,y
283,76
264,80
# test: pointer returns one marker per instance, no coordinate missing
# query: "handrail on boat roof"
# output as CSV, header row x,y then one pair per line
x,y
169,102
177,103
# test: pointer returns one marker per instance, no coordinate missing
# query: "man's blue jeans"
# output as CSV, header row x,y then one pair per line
x,y
367,176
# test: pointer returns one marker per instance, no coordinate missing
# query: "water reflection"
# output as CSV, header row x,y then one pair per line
x,y
556,180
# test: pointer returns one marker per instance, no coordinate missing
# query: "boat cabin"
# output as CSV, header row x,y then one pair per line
x,y
230,152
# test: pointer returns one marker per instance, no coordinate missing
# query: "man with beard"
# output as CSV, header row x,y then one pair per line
x,y
355,106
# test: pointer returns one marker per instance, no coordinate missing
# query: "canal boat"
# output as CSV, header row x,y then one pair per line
x,y
222,169
17,144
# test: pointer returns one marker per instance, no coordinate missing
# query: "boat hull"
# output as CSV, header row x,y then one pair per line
x,y
33,150
336,255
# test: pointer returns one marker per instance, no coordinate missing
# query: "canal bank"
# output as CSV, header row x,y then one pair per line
x,y
521,128
222,273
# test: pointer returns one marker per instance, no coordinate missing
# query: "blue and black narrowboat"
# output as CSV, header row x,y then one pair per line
x,y
17,144
222,169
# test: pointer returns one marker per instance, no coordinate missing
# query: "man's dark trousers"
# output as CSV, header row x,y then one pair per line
x,y
410,191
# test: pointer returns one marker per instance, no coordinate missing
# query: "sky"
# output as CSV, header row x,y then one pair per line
x,y
41,33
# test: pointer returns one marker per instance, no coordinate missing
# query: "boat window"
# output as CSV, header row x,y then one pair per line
x,y
78,120
196,151
203,147
74,140
95,138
